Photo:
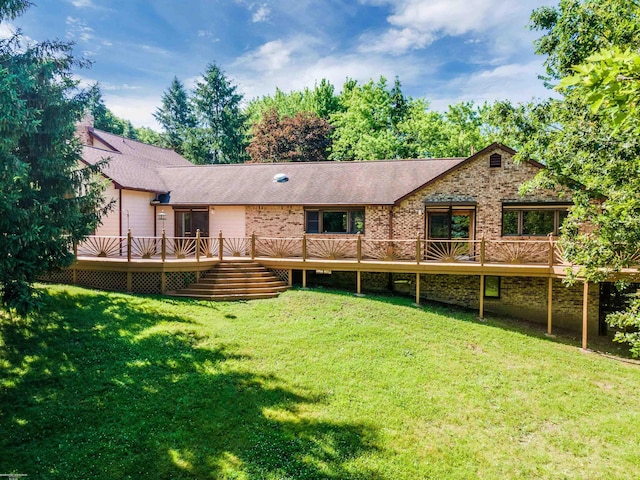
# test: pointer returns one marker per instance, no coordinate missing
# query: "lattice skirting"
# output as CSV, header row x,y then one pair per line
x,y
281,274
138,282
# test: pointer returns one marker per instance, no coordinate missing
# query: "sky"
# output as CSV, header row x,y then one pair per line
x,y
444,51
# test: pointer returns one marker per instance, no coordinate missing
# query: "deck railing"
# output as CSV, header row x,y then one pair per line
x,y
311,247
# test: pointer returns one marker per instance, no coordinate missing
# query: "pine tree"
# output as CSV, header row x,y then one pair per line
x,y
217,106
175,116
48,200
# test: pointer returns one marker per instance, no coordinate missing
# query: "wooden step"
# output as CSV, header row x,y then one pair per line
x,y
234,280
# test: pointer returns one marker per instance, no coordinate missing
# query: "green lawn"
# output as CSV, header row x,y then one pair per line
x,y
317,385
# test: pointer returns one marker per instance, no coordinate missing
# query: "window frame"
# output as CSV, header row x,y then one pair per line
x,y
350,212
520,210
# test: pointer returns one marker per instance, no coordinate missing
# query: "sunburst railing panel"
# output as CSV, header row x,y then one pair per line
x,y
517,251
278,247
146,247
236,246
209,247
181,247
451,251
389,250
331,248
101,246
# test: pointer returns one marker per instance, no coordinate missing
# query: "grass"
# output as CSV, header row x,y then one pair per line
x,y
316,385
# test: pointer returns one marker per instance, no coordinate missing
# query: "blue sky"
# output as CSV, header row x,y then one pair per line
x,y
442,50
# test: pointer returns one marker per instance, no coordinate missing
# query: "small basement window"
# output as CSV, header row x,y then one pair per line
x,y
491,287
495,160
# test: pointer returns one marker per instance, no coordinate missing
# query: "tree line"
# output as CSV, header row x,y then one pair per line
x,y
370,121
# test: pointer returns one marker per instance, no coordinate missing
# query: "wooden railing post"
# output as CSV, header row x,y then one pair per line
x,y
163,246
359,248
253,246
75,249
551,251
483,246
220,246
418,249
304,247
129,245
198,245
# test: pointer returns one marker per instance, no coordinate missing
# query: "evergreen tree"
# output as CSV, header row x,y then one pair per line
x,y
217,108
175,115
48,199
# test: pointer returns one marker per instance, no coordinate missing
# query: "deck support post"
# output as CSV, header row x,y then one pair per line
x,y
585,314
163,246
550,307
129,245
163,283
481,313
290,278
75,275
129,282
359,282
417,289
197,245
220,246
304,278
253,246
304,248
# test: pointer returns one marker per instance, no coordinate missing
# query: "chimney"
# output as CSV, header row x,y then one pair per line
x,y
83,127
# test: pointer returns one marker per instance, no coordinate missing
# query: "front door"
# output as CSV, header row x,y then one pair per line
x,y
188,222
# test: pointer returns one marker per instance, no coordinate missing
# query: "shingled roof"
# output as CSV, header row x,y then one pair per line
x,y
316,183
131,164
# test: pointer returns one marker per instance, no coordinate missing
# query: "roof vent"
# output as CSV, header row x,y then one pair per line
x,y
280,178
495,160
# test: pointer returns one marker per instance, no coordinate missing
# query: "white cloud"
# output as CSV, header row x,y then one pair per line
x,y
78,29
414,24
261,14
83,3
276,55
138,110
7,30
517,82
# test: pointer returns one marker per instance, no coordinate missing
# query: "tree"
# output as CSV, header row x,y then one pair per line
x,y
301,138
105,119
217,108
175,115
48,199
592,146
577,29
363,128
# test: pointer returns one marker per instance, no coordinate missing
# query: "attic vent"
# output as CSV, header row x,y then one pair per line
x,y
280,178
495,160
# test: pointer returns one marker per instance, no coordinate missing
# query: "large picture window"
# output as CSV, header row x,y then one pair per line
x,y
334,221
532,220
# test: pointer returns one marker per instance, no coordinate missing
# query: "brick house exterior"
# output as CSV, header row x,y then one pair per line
x,y
400,200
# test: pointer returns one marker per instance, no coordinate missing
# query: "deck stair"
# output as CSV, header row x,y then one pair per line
x,y
234,280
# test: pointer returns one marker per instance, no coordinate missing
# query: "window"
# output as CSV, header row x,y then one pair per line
x,y
334,221
491,287
495,160
532,220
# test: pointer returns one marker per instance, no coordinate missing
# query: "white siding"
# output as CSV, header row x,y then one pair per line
x,y
231,220
137,213
169,224
111,222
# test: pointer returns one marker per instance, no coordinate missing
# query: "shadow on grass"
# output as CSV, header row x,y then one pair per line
x,y
91,389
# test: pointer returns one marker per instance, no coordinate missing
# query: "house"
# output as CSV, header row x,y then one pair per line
x,y
445,202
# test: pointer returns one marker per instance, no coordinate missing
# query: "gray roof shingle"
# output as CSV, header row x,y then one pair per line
x,y
314,183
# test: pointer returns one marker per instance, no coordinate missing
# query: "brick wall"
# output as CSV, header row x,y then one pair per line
x,y
476,181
